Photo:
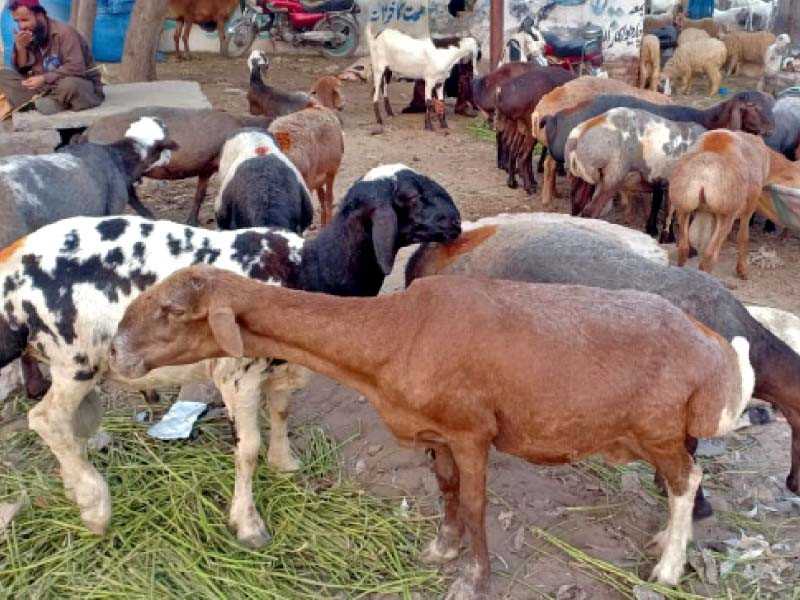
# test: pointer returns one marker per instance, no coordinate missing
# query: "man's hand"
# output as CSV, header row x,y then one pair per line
x,y
33,83
22,39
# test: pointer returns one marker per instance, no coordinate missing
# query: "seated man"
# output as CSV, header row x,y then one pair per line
x,y
50,59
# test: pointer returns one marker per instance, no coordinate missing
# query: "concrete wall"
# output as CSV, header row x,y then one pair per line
x,y
621,21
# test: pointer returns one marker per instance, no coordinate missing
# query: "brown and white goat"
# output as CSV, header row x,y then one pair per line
x,y
534,388
719,179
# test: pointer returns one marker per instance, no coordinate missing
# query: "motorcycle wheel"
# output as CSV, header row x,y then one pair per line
x,y
239,38
339,25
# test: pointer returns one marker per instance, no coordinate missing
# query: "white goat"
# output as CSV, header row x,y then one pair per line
x,y
416,59
528,47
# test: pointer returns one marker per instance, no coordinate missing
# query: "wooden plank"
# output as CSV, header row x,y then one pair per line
x,y
119,98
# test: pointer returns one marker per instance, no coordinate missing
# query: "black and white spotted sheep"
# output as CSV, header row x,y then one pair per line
x,y
66,286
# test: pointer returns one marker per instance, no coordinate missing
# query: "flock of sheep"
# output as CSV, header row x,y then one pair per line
x,y
590,343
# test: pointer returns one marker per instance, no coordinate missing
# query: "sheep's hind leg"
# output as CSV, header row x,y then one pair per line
x,y
57,419
199,196
742,243
241,393
471,456
683,478
444,547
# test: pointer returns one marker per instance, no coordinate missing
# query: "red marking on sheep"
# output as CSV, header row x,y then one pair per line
x,y
262,151
8,251
284,140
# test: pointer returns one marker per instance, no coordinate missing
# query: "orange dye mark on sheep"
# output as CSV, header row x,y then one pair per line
x,y
469,240
284,140
262,151
708,331
594,122
716,141
8,251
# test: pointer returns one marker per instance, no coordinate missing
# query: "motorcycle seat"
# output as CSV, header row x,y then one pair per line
x,y
564,47
321,6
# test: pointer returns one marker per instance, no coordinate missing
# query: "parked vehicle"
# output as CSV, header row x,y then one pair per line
x,y
330,25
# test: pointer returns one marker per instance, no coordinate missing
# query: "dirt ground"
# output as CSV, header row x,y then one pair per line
x,y
605,516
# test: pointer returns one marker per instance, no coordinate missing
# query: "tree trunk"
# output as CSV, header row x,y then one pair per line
x,y
141,43
74,7
86,15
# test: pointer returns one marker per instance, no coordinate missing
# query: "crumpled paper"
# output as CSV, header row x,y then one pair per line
x,y
178,422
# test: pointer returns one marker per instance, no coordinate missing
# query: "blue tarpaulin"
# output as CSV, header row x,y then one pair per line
x,y
700,9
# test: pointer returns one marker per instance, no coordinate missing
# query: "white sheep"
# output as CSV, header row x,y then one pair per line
x,y
706,56
691,34
773,58
416,59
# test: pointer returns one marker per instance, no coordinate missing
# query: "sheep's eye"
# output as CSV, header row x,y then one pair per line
x,y
176,312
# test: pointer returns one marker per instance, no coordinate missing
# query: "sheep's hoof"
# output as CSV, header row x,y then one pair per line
x,y
793,481
463,590
377,130
284,464
255,537
666,574
701,509
512,184
436,553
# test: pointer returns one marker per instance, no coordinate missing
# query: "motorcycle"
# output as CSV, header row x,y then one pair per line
x,y
330,25
582,55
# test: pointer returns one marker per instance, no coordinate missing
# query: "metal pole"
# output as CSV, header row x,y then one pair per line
x,y
496,9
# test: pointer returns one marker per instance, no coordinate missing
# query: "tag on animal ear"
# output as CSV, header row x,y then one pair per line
x,y
262,151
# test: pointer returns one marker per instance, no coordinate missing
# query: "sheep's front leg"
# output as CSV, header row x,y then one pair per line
x,y
221,35
471,457
714,79
136,204
177,38
56,419
441,108
444,547
283,380
380,86
793,418
187,29
428,105
241,393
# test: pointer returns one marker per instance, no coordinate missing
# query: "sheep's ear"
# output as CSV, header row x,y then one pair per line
x,y
736,116
384,236
226,331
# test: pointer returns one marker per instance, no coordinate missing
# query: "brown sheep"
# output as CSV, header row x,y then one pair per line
x,y
207,13
747,46
531,386
312,139
649,62
719,179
